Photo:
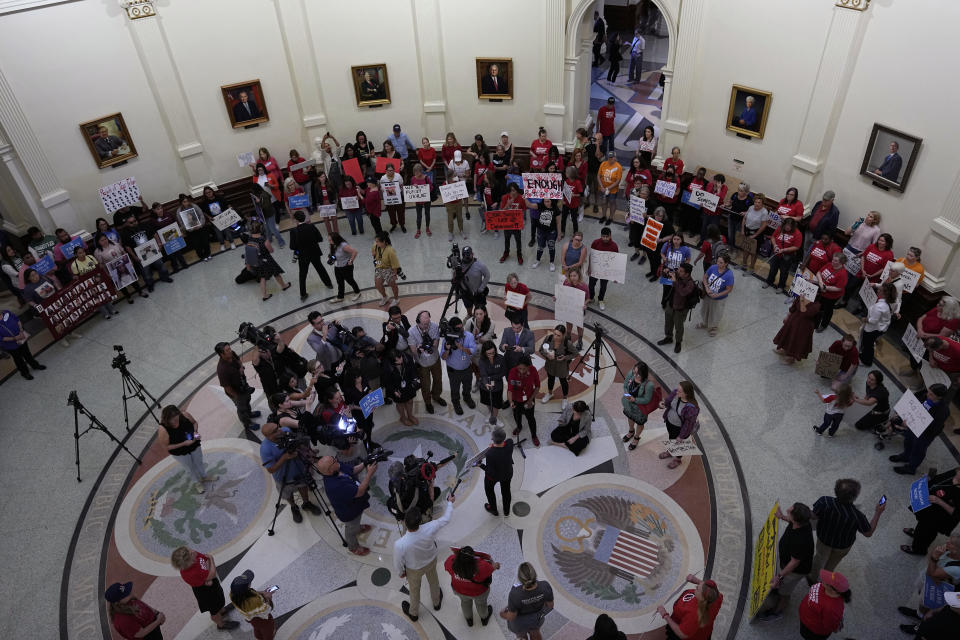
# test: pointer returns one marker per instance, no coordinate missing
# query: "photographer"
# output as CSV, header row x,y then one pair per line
x,y
458,348
348,497
270,368
400,382
395,331
234,382
328,354
516,342
288,470
523,382
424,340
305,242
473,286
355,387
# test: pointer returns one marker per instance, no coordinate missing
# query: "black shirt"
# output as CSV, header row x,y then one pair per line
x,y
547,219
883,398
838,522
269,371
500,462
797,543
305,240
593,163
137,235
184,426
942,625
230,374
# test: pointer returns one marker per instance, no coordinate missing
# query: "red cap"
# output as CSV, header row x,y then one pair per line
x,y
836,580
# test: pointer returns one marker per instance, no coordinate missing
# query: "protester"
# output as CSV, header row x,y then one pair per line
x,y
694,612
573,427
795,339
934,401
838,522
130,616
344,256
795,555
942,516
821,612
640,399
255,606
14,340
717,285
604,243
683,296
680,415
200,572
471,573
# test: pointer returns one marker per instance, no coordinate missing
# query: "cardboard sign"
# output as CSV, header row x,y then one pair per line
x,y
416,193
665,189
638,209
453,191
303,165
68,248
867,294
933,592
567,192
118,195
226,219
299,201
569,305
912,413
853,261
371,401
764,561
383,162
805,289
44,265
680,448
76,302
504,219
913,343
828,364
351,168
608,265
515,300
391,193
706,200
651,233
543,185
246,159
349,203
327,211
920,494
148,252
910,277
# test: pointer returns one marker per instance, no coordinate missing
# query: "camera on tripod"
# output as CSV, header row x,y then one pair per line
x,y
121,360
455,260
341,434
292,442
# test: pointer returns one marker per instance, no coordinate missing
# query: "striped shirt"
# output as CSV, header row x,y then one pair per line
x,y
838,522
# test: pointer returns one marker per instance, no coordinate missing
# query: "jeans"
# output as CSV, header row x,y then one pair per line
x,y
270,229
355,218
573,213
520,410
785,264
831,420
193,463
505,497
344,276
733,225
414,578
224,235
423,210
147,273
547,239
460,382
606,146
914,450
304,263
614,71
636,67
593,286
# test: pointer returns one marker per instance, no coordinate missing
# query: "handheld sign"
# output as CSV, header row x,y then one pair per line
x,y
646,145
828,364
805,289
933,375
351,167
867,294
665,189
299,201
371,401
304,164
350,202
118,195
245,159
920,494
913,343
453,191
327,211
504,219
688,199
383,162
148,252
651,233
608,265
68,248
912,413
416,192
569,305
706,200
44,265
853,261
515,300
543,185
391,194
76,302
567,192
933,592
638,208
173,240
680,448
910,277
226,219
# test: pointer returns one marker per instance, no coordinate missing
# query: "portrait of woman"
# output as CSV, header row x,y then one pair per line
x,y
748,111
370,84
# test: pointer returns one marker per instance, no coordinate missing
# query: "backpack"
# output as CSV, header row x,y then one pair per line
x,y
693,298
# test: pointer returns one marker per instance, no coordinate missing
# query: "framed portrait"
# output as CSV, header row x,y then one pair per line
x,y
890,157
748,111
495,78
370,84
109,140
245,103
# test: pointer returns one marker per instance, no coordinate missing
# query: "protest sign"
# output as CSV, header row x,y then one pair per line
x,y
172,239
191,218
351,168
44,265
933,592
118,195
383,162
920,494
706,200
764,561
371,401
543,185
504,219
68,248
867,294
933,375
688,199
680,448
913,343
226,219
608,265
665,188
327,211
567,192
246,159
853,261
651,233
391,193
148,252
638,209
805,289
453,191
122,272
569,305
303,165
515,299
912,413
416,193
910,277
299,201
828,364
349,203
76,302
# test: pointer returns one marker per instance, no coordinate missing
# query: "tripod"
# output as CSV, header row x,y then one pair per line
x,y
598,333
132,388
311,484
95,423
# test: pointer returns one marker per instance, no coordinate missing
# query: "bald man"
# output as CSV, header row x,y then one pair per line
x,y
348,497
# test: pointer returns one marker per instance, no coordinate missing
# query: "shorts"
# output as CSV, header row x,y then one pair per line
x,y
210,598
609,197
388,276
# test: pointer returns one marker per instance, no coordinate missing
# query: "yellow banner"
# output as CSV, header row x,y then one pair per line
x,y
764,561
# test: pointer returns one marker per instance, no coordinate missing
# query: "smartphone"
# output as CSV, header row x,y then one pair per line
x,y
627,395
883,499
273,588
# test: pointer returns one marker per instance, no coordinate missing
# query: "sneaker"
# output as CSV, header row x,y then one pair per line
x,y
563,404
499,422
553,267
520,260
603,307
357,297
817,429
417,234
429,233
830,435
504,257
579,219
536,263
384,300
309,507
223,247
450,238
546,398
496,234
295,512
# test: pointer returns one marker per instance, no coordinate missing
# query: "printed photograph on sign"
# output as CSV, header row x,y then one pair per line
x,y
191,218
327,211
391,194
350,202
245,103
109,140
148,252
122,272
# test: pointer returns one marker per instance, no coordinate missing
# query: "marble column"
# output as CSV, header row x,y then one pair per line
x,y
837,62
554,69
679,89
577,89
301,55
429,39
664,146
21,207
940,245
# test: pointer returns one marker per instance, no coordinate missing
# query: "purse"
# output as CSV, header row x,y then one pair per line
x,y
655,400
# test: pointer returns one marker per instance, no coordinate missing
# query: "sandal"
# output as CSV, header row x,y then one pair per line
x,y
268,297
713,332
289,284
909,531
665,455
636,441
674,463
629,435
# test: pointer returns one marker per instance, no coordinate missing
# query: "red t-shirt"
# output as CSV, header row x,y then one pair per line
x,y
933,323
326,195
676,164
371,201
582,171
706,248
696,183
948,358
821,613
576,188
196,574
685,615
426,156
521,288
446,153
468,587
348,193
478,171
511,202
794,210
128,625
833,278
605,120
820,255
522,389
873,261
785,241
298,175
850,356
538,153
600,245
721,195
637,178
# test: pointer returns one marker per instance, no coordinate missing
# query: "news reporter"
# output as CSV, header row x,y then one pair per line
x,y
471,573
458,354
348,497
400,383
694,611
415,557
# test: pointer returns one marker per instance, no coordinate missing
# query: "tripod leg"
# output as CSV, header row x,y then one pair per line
x,y
76,437
326,510
276,511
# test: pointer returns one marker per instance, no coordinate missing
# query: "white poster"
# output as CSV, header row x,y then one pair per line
x,y
304,164
350,202
542,185
680,448
706,200
805,289
638,209
453,191
608,265
515,300
867,294
226,219
910,277
666,189
569,305
391,194
118,195
327,211
245,159
191,218
148,252
933,375
913,413
567,192
853,261
416,192
913,343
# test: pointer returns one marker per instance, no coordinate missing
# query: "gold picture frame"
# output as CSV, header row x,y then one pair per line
x,y
494,85
371,85
244,113
748,120
112,146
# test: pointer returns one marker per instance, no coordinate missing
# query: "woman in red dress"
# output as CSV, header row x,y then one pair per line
x,y
795,339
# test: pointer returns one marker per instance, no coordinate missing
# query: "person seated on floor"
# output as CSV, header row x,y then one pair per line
x,y
942,516
943,565
573,427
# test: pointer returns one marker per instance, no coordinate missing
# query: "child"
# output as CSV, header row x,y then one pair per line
x,y
842,399
713,243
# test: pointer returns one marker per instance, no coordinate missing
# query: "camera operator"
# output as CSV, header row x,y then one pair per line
x,y
234,382
305,242
409,489
424,340
458,348
270,368
348,497
415,556
516,342
476,275
328,355
288,470
395,331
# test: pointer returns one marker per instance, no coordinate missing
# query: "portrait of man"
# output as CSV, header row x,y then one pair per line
x,y
370,84
889,158
747,115
494,78
245,103
890,167
108,140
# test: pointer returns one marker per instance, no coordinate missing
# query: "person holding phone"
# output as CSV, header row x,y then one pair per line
x,y
255,606
838,521
179,435
200,572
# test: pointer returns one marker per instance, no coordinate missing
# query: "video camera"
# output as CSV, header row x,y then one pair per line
x,y
449,336
121,360
412,488
378,454
264,339
455,260
340,434
424,468
291,442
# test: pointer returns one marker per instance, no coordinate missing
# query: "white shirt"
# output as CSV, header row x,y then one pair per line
x,y
638,45
417,549
878,316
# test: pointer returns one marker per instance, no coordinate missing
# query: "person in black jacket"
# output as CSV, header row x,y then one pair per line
x,y
498,468
305,242
400,383
915,447
396,330
942,516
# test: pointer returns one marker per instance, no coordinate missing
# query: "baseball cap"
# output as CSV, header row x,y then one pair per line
x,y
952,598
478,137
836,580
396,127
118,591
504,133
242,582
610,100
